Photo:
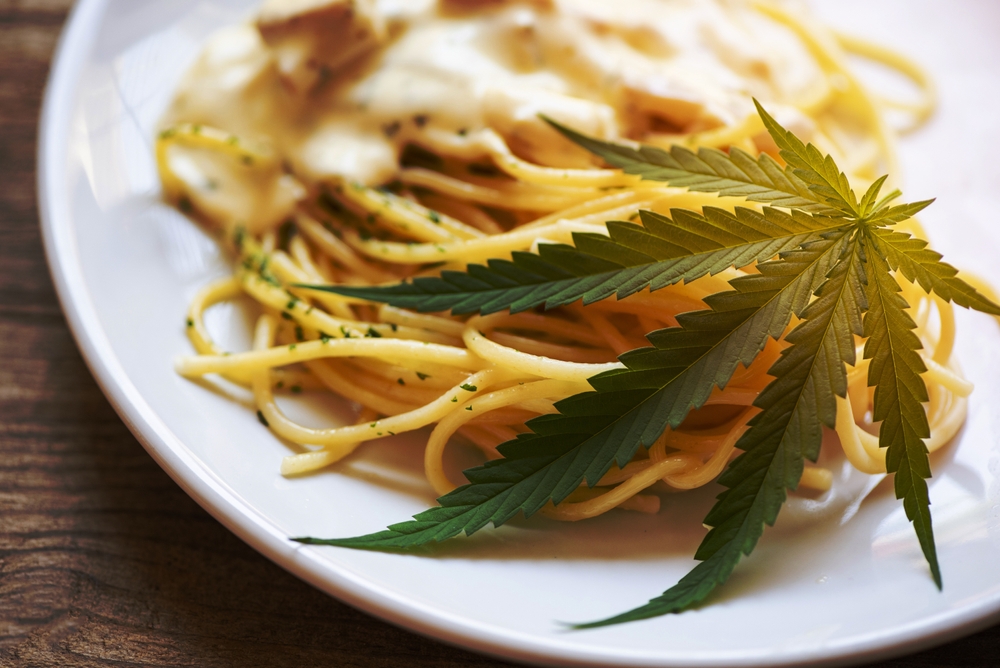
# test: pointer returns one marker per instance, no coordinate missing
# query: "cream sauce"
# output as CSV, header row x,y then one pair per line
x,y
611,69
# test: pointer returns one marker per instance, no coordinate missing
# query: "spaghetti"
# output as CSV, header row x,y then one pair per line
x,y
409,194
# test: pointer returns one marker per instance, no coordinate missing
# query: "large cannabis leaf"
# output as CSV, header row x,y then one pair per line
x,y
831,269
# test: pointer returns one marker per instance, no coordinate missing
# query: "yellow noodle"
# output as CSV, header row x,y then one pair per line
x,y
526,363
469,409
408,218
584,509
391,349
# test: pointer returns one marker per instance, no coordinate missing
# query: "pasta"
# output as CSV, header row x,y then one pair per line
x,y
323,164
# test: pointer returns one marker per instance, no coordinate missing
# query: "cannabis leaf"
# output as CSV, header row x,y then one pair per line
x,y
829,261
660,252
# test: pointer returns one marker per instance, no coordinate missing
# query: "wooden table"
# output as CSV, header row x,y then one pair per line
x,y
103,559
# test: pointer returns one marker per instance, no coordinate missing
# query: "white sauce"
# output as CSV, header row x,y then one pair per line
x,y
607,68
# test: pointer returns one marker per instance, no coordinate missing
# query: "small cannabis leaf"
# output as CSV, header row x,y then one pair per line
x,y
828,261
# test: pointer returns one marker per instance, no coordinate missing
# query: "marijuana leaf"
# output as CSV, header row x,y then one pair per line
x,y
660,252
833,269
631,406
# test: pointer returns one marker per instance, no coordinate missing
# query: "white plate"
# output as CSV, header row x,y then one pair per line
x,y
125,267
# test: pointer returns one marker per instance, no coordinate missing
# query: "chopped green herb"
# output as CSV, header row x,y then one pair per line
x,y
468,388
390,129
262,419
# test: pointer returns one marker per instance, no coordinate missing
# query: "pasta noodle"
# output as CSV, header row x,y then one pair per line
x,y
450,194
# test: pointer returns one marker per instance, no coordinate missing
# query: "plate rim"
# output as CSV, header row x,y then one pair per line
x,y
252,527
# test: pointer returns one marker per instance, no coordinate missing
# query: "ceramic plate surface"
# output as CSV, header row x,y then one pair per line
x,y
836,592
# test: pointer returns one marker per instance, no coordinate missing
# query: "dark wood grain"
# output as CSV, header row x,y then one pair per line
x,y
104,561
